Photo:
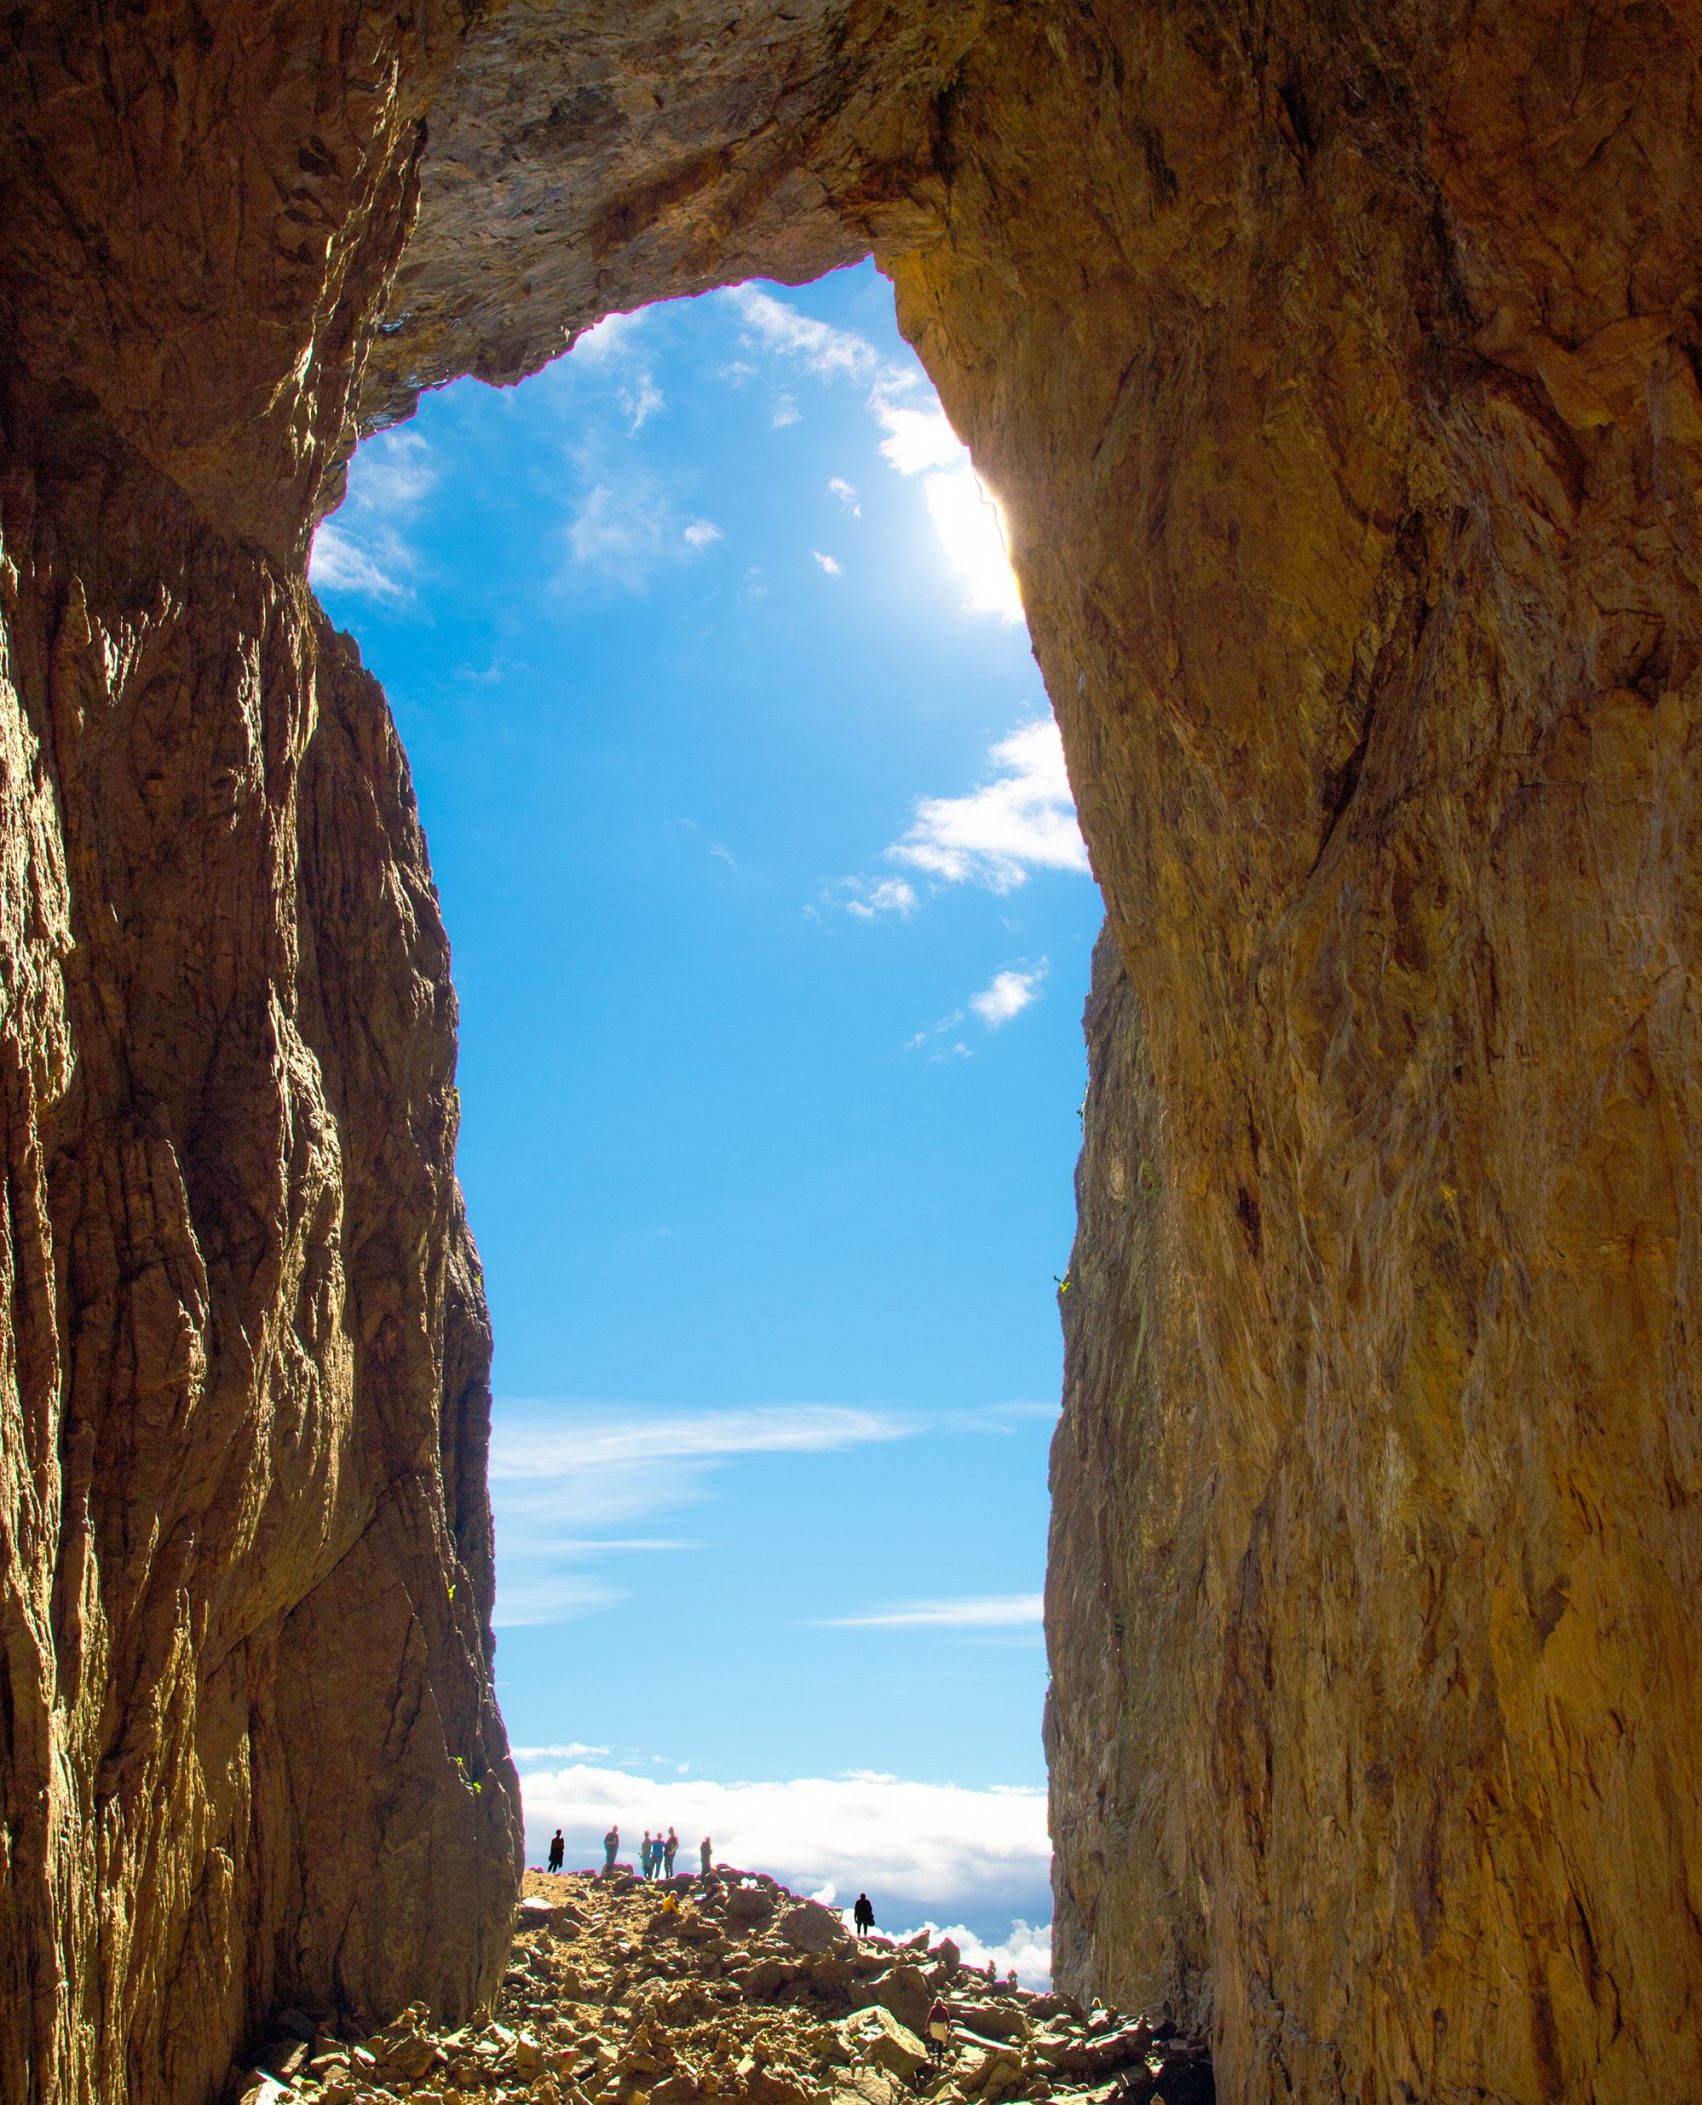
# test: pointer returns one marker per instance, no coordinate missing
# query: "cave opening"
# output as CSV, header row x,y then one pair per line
x,y
771,926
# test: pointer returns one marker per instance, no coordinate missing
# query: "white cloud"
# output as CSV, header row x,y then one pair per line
x,y
910,1846
1010,993
988,1611
620,531
528,1597
824,349
868,900
786,412
1022,819
340,564
918,440
364,549
599,1471
702,533
562,1750
613,351
827,562
1026,1952
846,492
610,338
578,1446
640,398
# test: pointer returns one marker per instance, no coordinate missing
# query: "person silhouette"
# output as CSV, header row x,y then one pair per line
x,y
558,1850
863,1915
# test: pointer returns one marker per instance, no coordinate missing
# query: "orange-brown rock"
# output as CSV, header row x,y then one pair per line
x,y
1337,367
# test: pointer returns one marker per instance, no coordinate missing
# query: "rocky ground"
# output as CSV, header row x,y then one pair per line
x,y
735,1991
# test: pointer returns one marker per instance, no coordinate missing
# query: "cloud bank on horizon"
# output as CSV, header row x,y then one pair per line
x,y
926,1853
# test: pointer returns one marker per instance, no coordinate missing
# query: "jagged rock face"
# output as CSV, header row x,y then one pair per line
x,y
1337,368
249,1724
1354,478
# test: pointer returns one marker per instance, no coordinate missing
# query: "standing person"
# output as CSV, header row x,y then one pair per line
x,y
939,2027
863,1915
705,1852
558,1849
670,1850
644,1854
611,1850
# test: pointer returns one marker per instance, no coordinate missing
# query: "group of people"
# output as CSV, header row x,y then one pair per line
x,y
656,1853
655,1857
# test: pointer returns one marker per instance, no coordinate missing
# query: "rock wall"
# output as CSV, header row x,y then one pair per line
x,y
1341,379
1337,366
249,1750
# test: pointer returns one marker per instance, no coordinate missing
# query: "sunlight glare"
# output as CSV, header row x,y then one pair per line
x,y
971,528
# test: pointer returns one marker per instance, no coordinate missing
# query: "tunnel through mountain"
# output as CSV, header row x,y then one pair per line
x,y
771,927
1338,370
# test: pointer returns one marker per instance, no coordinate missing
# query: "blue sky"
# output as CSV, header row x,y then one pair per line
x,y
771,928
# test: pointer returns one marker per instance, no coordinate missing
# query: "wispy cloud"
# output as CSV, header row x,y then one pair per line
x,y
821,348
1023,818
829,563
561,1750
596,1472
364,549
569,1442
613,348
620,531
624,528
917,440
846,493
866,899
1009,994
1018,820
608,340
988,1611
530,1598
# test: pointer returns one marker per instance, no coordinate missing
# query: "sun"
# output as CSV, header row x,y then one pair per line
x,y
971,526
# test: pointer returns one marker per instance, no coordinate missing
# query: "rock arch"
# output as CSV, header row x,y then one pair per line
x,y
1337,368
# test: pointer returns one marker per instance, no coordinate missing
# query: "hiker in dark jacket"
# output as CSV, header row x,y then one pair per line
x,y
863,1915
558,1850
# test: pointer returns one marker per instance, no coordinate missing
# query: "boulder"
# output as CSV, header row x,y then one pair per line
x,y
810,1928
749,1905
948,1953
993,2073
875,2035
907,1993
994,2020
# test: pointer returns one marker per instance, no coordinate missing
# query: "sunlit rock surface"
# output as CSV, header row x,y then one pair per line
x,y
1337,369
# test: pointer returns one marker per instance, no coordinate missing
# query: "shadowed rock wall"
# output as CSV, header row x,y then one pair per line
x,y
1337,367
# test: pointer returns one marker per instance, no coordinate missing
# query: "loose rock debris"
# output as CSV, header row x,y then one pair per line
x,y
728,1991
